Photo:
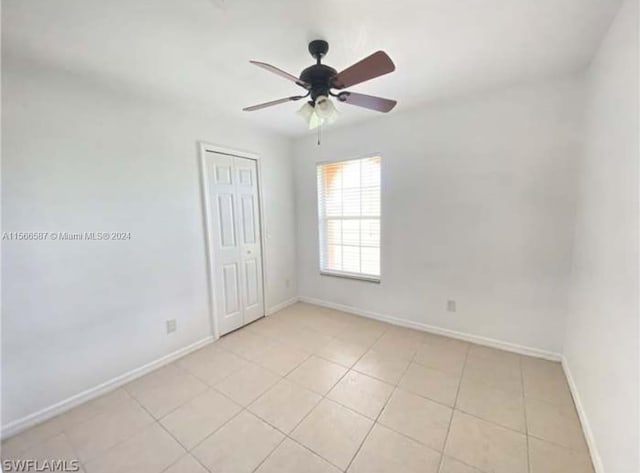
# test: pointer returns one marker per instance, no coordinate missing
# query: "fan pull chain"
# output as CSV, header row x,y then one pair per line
x,y
319,127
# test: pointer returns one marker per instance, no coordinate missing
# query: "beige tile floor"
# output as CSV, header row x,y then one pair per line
x,y
315,390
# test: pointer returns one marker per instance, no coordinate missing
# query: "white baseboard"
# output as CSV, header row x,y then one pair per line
x,y
282,305
490,342
582,414
17,426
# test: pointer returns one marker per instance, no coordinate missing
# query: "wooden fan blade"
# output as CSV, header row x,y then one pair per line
x,y
367,101
281,73
273,102
370,67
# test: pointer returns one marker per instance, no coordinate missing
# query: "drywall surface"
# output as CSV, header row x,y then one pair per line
x,y
81,154
602,333
477,206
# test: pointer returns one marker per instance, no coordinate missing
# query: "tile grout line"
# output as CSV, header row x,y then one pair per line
x,y
559,445
245,408
526,421
285,435
188,451
493,422
375,421
454,406
331,400
208,386
554,404
208,383
157,421
73,449
287,344
453,409
322,397
128,437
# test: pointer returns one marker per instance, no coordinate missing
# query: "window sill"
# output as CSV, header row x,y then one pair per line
x,y
359,277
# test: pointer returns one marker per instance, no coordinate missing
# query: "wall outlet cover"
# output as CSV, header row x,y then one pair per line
x,y
171,325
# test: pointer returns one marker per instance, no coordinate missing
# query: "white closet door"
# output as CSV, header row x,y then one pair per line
x,y
235,240
249,234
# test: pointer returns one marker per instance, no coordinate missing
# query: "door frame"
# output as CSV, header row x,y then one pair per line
x,y
205,148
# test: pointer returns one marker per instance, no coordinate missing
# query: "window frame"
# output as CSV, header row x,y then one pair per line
x,y
346,274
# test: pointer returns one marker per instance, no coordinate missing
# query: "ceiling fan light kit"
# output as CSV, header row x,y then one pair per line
x,y
319,80
323,112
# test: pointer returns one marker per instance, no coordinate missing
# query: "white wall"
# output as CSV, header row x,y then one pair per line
x,y
602,334
80,154
477,206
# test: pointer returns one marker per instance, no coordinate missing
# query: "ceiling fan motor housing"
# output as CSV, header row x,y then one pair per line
x,y
319,76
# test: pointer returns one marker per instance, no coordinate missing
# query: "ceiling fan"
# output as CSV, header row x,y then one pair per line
x,y
320,79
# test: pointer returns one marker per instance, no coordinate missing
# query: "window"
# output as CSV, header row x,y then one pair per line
x,y
349,218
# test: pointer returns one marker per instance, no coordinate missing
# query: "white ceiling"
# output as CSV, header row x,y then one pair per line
x,y
199,49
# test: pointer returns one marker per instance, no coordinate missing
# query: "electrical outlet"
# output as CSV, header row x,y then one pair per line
x,y
171,325
451,306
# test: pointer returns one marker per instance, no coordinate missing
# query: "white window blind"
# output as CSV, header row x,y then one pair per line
x,y
349,217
